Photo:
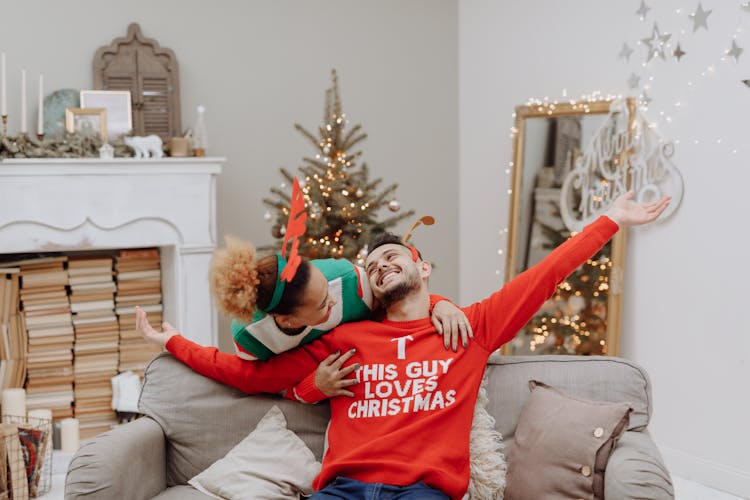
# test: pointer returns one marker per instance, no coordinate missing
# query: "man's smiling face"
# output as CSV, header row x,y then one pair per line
x,y
392,273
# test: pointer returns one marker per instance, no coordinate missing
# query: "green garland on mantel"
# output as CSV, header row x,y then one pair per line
x,y
68,146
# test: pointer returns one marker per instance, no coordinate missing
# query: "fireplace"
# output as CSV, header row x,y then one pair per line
x,y
61,205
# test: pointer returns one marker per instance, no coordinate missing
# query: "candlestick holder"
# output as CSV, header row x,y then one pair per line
x,y
5,124
40,137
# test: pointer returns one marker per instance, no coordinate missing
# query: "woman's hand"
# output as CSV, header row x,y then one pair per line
x,y
148,332
331,379
450,321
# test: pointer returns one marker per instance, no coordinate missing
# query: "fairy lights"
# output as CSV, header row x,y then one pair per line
x,y
717,62
572,320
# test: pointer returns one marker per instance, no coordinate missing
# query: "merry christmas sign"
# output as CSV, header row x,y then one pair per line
x,y
625,153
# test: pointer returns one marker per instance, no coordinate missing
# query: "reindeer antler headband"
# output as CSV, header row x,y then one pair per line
x,y
295,229
427,220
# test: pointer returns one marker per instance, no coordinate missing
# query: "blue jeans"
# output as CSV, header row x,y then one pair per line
x,y
351,489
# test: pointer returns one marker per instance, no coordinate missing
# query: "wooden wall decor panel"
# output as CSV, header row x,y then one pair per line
x,y
150,73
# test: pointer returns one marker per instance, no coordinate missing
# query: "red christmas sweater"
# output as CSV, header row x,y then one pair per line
x,y
411,415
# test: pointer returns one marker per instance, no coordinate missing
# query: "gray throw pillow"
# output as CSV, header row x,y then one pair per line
x,y
562,445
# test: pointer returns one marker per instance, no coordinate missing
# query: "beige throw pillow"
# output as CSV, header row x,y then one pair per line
x,y
270,463
562,445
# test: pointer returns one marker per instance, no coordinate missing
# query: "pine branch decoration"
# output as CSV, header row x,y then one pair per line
x,y
69,146
342,202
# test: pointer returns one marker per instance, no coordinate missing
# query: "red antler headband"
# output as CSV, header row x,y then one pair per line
x,y
295,229
427,220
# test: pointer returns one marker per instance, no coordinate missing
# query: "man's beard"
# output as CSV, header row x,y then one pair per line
x,y
401,290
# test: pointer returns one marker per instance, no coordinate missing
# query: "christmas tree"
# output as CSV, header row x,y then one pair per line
x,y
341,201
573,320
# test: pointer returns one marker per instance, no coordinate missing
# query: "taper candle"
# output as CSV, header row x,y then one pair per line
x,y
3,97
40,113
24,128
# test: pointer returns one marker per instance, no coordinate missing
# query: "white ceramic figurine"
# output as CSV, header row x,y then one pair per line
x,y
145,147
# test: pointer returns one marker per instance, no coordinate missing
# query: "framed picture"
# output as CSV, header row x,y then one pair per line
x,y
90,121
118,106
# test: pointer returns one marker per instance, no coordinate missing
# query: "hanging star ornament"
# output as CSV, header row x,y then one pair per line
x,y
633,81
678,52
643,10
700,18
656,43
645,99
625,52
735,51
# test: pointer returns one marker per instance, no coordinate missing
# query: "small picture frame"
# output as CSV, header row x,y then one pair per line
x,y
118,106
87,121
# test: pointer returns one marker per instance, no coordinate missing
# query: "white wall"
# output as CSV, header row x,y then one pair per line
x,y
261,66
686,280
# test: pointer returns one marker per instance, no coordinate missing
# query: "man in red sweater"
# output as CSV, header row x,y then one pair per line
x,y
405,433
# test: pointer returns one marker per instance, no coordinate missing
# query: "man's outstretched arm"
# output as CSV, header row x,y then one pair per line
x,y
252,377
503,314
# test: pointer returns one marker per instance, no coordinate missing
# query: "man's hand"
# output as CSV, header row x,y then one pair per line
x,y
450,321
148,332
330,377
627,213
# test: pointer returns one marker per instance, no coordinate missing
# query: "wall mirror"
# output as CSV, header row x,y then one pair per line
x,y
583,317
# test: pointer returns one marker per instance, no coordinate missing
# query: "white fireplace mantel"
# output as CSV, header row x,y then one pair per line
x,y
50,205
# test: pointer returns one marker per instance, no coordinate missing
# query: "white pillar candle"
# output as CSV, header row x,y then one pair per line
x,y
39,414
69,437
40,114
14,403
24,129
4,109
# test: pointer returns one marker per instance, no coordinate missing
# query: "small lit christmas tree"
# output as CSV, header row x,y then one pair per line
x,y
341,202
573,320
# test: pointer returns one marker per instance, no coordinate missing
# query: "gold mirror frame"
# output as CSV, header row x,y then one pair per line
x,y
611,335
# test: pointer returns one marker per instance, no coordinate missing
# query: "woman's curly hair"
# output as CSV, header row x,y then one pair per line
x,y
242,283
234,278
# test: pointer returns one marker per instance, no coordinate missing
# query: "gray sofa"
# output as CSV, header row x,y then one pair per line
x,y
192,421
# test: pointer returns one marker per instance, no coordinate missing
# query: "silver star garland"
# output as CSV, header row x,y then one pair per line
x,y
735,51
625,52
633,81
645,99
678,52
700,18
643,10
656,43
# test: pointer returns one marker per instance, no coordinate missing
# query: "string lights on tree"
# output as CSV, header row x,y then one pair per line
x,y
342,202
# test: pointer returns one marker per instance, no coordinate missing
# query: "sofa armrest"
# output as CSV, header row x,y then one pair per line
x,y
636,470
127,462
